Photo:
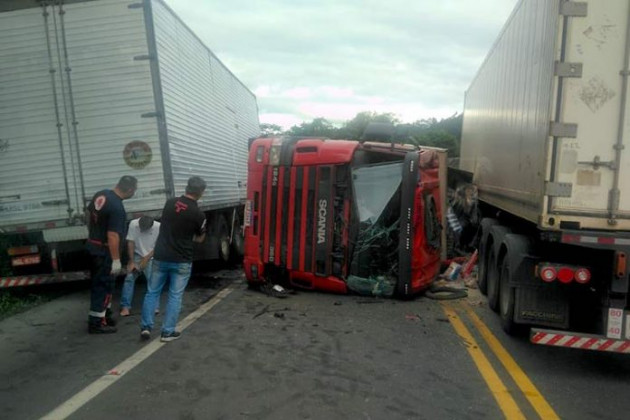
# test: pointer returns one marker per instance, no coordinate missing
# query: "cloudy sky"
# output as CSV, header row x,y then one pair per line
x,y
335,58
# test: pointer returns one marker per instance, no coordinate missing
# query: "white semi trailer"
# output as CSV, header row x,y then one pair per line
x,y
545,131
93,90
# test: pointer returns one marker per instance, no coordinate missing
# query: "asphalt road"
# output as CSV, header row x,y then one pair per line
x,y
246,355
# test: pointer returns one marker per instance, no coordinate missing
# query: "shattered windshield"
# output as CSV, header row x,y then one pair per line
x,y
375,247
374,187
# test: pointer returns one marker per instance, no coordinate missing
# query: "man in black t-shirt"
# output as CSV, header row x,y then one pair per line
x,y
106,226
182,224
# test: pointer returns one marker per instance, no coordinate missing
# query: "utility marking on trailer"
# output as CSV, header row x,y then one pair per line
x,y
498,389
530,391
101,384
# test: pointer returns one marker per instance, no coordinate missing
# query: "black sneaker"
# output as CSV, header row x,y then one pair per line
x,y
170,336
145,335
101,329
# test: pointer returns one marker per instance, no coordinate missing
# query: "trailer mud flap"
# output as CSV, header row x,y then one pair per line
x,y
541,306
408,190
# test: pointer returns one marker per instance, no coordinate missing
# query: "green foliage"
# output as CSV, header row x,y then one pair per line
x,y
270,130
13,302
319,127
353,129
444,133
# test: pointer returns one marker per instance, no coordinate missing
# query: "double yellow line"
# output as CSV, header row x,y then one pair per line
x,y
498,389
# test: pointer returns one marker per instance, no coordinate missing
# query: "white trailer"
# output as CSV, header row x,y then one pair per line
x,y
93,90
545,127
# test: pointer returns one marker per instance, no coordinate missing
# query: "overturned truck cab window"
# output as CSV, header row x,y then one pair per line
x,y
375,228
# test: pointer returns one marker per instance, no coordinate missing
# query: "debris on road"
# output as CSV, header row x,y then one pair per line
x,y
371,286
276,311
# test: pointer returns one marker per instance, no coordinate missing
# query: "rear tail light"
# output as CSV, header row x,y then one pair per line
x,y
548,274
565,275
582,275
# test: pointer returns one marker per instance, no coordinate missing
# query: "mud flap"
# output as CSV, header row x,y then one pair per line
x,y
408,190
544,306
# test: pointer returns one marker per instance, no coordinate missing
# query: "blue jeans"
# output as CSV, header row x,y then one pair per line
x,y
178,274
126,296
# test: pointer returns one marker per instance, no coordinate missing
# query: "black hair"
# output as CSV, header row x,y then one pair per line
x,y
196,186
127,183
145,223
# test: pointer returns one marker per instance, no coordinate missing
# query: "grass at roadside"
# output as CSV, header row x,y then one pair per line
x,y
15,301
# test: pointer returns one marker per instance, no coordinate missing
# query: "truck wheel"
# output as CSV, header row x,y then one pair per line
x,y
238,240
482,276
506,299
518,248
493,280
495,238
224,239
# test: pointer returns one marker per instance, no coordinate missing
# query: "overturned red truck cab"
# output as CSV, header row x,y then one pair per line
x,y
341,215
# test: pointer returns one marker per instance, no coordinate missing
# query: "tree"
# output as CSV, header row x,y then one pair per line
x,y
319,127
270,130
353,129
445,133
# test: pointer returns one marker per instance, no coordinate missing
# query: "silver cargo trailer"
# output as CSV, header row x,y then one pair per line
x,y
545,127
92,90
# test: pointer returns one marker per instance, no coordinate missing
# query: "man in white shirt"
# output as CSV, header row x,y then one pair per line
x,y
141,237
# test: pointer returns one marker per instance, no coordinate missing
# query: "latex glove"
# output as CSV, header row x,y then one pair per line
x,y
116,267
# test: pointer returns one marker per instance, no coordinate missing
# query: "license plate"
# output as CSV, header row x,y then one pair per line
x,y
26,260
615,321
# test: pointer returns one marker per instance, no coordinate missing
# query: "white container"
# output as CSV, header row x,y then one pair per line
x,y
146,96
546,119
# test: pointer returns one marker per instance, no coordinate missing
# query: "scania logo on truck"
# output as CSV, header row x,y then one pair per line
x,y
321,221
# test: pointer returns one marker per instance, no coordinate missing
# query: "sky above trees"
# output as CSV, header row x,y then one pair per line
x,y
333,59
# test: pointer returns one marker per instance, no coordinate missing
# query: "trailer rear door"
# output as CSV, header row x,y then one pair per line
x,y
591,160
37,165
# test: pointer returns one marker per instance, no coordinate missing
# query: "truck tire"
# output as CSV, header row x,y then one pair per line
x,y
517,247
482,276
238,240
223,232
506,298
495,238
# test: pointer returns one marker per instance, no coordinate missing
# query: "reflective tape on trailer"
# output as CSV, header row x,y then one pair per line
x,y
21,281
578,341
599,240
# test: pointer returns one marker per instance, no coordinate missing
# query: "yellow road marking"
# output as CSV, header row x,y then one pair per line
x,y
497,387
532,394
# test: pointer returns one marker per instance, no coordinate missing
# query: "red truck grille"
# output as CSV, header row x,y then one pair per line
x,y
297,208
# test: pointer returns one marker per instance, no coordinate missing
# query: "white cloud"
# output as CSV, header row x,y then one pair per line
x,y
334,58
